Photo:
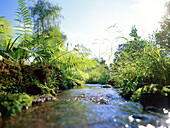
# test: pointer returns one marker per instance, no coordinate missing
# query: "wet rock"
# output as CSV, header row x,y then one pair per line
x,y
42,99
103,101
141,117
156,99
111,82
106,86
154,109
109,95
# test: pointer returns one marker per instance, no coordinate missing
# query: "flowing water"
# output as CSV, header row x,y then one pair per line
x,y
89,106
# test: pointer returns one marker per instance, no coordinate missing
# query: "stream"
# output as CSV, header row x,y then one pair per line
x,y
89,106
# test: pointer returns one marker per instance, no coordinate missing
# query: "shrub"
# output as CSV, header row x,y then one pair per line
x,y
12,104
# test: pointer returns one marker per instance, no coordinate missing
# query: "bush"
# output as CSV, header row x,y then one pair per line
x,y
12,104
99,74
138,63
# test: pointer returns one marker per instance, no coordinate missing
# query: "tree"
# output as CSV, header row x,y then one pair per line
x,y
131,46
163,35
134,32
44,15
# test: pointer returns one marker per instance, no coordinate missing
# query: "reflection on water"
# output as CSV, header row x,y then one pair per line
x,y
89,106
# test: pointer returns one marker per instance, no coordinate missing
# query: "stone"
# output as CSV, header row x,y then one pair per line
x,y
106,86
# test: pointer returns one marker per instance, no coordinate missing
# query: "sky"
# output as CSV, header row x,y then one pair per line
x,y
97,24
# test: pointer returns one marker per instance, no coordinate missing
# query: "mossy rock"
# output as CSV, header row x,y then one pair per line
x,y
152,95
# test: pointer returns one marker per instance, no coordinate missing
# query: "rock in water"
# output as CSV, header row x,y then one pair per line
x,y
106,86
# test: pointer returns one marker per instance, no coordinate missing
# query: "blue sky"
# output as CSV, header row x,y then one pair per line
x,y
87,21
7,8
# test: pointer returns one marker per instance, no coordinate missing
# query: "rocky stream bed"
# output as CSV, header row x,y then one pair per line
x,y
90,106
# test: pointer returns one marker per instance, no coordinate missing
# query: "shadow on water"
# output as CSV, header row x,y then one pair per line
x,y
88,106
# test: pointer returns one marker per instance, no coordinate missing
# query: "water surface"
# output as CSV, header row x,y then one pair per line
x,y
89,106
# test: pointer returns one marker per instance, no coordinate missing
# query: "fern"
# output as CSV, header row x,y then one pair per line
x,y
25,23
6,32
7,51
24,28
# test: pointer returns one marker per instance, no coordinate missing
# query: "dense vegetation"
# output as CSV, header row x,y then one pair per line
x,y
142,67
99,74
35,62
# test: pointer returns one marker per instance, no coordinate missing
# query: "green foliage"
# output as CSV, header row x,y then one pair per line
x,y
12,104
10,51
73,60
49,47
6,32
139,62
57,37
75,63
133,32
160,66
82,76
25,30
7,47
104,78
150,89
25,23
99,73
53,66
152,95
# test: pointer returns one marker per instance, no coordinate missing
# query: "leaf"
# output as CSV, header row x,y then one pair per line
x,y
25,12
18,12
7,54
18,20
14,42
26,49
8,44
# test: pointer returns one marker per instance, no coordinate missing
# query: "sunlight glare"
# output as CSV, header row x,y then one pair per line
x,y
148,13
